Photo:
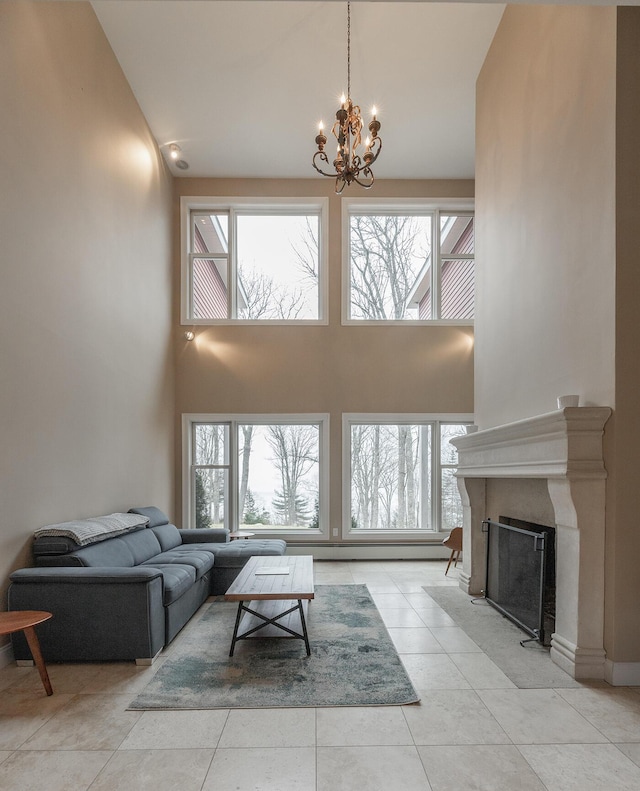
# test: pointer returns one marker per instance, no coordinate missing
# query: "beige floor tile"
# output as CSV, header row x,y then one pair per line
x,y
22,714
52,771
4,754
11,675
389,601
415,641
453,716
383,587
370,769
615,712
333,578
433,671
278,769
582,767
410,585
632,751
454,640
481,672
65,679
174,730
371,578
87,722
539,716
369,725
121,677
435,618
481,768
155,770
248,728
403,618
421,601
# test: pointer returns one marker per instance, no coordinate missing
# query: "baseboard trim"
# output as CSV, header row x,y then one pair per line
x,y
622,674
369,552
6,655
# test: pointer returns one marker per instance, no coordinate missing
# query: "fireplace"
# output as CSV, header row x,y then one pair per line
x,y
521,574
561,453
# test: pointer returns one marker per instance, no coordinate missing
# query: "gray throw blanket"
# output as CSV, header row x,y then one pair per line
x,y
89,531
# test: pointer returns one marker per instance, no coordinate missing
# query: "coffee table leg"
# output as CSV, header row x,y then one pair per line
x,y
304,627
34,647
235,630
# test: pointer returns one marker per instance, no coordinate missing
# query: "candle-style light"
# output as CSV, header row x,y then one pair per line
x,y
348,165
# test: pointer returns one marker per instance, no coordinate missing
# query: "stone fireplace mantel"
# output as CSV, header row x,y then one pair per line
x,y
563,447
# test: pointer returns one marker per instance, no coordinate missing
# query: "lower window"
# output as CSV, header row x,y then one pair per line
x,y
401,475
259,473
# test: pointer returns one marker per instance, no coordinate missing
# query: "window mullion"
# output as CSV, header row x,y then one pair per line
x,y
232,290
436,487
436,267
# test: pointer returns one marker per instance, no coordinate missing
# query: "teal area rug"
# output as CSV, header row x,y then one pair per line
x,y
353,661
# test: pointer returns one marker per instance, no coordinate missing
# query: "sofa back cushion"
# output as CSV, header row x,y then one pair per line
x,y
129,550
154,515
167,535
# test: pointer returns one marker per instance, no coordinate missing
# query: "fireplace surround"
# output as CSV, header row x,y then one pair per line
x,y
564,449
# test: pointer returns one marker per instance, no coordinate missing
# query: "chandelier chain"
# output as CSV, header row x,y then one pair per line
x,y
348,50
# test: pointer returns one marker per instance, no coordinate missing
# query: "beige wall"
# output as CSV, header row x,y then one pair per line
x,y
330,369
85,296
545,192
557,174
623,449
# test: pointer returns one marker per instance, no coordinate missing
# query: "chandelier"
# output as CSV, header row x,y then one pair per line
x,y
349,165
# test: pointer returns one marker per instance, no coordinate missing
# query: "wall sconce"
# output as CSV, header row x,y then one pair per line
x,y
189,335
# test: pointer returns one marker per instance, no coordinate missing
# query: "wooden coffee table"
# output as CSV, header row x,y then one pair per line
x,y
24,621
266,597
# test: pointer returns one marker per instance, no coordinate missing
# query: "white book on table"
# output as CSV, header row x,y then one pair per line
x,y
273,570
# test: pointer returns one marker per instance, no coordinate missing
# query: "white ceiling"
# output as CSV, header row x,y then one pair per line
x,y
241,86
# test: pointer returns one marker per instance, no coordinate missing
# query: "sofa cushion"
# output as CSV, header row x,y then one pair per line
x,y
168,536
176,580
236,553
202,562
154,515
127,551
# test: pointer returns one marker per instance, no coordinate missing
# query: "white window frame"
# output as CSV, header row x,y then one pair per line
x,y
391,206
395,419
188,470
234,206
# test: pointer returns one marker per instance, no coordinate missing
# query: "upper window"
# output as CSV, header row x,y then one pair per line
x,y
253,261
409,263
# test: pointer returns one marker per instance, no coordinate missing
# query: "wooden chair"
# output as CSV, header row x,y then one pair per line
x,y
454,542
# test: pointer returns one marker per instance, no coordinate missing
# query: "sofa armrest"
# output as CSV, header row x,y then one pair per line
x,y
206,535
99,614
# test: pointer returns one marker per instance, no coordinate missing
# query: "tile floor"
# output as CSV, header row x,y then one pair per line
x,y
473,729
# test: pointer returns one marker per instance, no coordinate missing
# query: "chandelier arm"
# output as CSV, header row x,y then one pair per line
x,y
368,175
322,156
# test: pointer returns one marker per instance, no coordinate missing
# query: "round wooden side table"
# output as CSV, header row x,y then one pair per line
x,y
24,621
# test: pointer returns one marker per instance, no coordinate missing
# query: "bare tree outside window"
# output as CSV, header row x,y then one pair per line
x,y
387,485
387,254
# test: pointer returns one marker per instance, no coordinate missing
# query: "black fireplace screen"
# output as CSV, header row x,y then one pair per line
x,y
521,573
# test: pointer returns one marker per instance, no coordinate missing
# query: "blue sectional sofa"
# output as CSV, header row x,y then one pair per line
x,y
126,597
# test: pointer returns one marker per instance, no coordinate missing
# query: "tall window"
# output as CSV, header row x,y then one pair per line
x,y
409,263
248,261
262,473
401,475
